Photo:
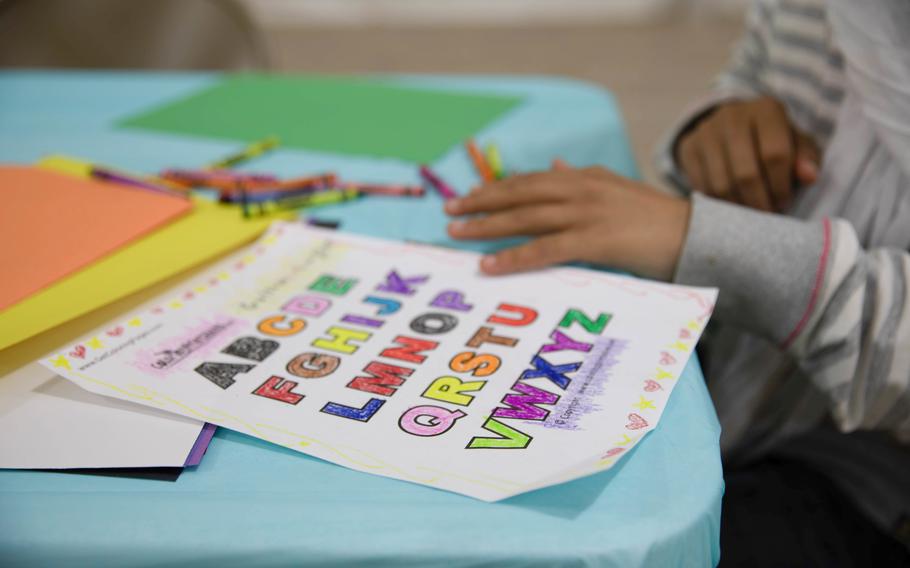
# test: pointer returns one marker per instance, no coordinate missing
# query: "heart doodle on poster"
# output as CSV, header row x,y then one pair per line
x,y
116,331
158,310
685,333
614,452
636,422
651,385
189,296
78,351
666,358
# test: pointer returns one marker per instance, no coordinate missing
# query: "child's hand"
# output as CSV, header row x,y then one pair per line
x,y
590,215
748,152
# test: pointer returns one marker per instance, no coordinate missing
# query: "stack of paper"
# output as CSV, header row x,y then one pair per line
x,y
55,224
77,250
401,360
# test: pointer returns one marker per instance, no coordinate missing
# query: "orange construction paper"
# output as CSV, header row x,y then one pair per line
x,y
53,224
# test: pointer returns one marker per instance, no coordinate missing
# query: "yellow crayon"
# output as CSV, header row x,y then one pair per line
x,y
318,199
495,161
248,153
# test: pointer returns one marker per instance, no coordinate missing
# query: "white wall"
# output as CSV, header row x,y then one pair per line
x,y
353,13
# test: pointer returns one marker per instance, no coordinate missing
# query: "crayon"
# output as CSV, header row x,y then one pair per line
x,y
276,190
251,151
380,189
319,199
214,178
244,203
235,195
319,180
480,163
323,223
495,161
440,186
125,179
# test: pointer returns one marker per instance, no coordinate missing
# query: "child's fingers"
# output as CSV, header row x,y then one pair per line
x,y
521,221
775,150
499,196
807,160
542,251
690,163
524,182
742,159
718,180
560,165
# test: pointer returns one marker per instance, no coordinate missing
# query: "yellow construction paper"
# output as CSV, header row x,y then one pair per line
x,y
210,230
66,165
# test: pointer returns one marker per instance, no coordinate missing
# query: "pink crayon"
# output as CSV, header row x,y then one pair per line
x,y
442,187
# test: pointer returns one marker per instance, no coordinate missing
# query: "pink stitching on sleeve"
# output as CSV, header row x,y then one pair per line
x,y
816,288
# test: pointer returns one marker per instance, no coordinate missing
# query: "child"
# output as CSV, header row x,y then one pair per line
x,y
810,365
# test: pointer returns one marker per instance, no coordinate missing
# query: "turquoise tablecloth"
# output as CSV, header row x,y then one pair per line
x,y
251,503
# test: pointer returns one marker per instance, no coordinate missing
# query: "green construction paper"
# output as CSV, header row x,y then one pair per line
x,y
330,114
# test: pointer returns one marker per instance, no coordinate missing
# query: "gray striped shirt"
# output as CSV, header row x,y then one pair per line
x,y
812,357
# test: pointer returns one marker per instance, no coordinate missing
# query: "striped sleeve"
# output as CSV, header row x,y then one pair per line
x,y
874,36
841,312
855,344
745,75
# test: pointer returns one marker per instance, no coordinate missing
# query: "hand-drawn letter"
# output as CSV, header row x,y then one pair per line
x,y
410,349
383,379
485,335
222,374
279,389
507,437
451,389
451,300
362,414
313,365
526,316
251,348
395,284
329,284
429,420
434,323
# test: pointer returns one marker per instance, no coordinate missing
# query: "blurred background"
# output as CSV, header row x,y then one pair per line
x,y
656,56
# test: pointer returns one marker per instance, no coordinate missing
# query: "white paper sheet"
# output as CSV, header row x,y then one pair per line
x,y
47,422
401,360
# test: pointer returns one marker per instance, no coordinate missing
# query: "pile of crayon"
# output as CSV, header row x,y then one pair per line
x,y
261,193
264,193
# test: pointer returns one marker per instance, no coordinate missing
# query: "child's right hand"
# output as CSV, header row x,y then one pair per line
x,y
748,152
590,215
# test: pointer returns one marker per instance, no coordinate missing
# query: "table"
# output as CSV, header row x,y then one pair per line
x,y
252,503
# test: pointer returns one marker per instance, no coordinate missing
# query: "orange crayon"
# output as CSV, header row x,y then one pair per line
x,y
480,162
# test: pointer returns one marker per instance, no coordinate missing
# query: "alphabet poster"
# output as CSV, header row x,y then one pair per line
x,y
402,360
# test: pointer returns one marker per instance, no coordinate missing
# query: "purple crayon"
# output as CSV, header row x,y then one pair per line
x,y
116,177
442,187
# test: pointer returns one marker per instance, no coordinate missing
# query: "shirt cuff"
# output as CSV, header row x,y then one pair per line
x,y
769,268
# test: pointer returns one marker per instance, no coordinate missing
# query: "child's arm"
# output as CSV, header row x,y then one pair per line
x,y
843,313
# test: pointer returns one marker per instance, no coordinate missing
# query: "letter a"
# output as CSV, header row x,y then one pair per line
x,y
222,374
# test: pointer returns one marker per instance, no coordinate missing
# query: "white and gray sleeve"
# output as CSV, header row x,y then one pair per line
x,y
843,313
